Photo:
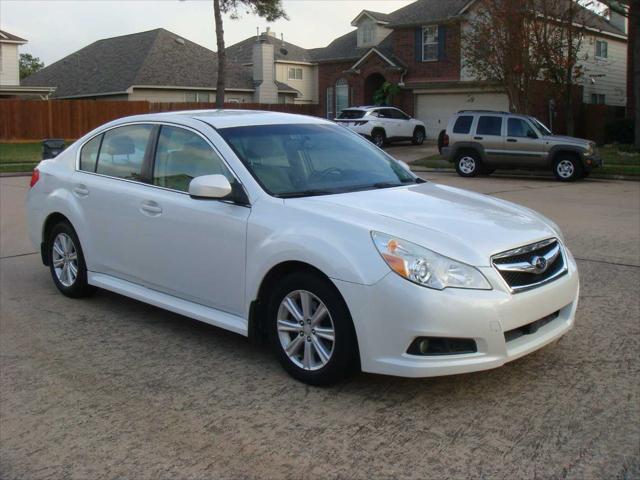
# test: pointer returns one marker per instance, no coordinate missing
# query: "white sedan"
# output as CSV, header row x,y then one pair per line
x,y
300,232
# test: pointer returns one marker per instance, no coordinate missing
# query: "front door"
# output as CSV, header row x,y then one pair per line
x,y
193,248
523,146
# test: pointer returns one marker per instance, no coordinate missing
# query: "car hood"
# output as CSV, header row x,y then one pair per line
x,y
567,140
462,225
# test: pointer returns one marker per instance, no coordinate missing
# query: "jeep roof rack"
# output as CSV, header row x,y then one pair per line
x,y
487,111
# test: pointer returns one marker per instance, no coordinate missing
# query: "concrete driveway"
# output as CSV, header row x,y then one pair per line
x,y
108,387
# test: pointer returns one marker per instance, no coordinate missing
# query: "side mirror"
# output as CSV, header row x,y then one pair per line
x,y
210,186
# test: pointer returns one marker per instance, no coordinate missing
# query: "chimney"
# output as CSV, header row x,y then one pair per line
x,y
264,72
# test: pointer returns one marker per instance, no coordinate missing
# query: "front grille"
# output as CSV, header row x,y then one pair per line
x,y
532,265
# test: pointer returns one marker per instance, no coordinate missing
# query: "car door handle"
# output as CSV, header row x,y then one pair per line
x,y
150,208
477,138
512,140
80,191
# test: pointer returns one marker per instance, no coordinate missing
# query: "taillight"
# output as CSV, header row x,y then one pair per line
x,y
445,140
35,176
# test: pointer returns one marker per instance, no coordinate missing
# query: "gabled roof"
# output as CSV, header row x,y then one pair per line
x,y
426,12
382,18
156,58
10,37
241,52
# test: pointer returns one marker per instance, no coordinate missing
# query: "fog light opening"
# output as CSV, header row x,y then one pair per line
x,y
432,346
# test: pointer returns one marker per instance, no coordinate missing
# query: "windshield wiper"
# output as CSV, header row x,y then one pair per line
x,y
304,193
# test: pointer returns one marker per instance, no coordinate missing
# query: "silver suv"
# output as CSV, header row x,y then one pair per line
x,y
479,141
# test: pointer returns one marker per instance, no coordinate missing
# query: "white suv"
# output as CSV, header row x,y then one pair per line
x,y
383,124
296,230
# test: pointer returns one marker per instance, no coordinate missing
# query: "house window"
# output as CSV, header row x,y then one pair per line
x,y
200,97
602,49
295,73
342,95
330,103
367,34
430,43
598,98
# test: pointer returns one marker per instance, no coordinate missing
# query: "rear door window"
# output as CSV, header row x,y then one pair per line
x,y
351,114
488,125
463,124
123,150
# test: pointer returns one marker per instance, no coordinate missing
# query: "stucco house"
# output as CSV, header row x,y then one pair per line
x,y
10,70
160,66
420,47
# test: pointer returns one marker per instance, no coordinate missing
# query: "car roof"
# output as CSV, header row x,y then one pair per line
x,y
225,118
493,112
369,107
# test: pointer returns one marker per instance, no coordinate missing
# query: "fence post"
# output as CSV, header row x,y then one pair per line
x,y
49,119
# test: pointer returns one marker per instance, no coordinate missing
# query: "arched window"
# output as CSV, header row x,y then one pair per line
x,y
342,95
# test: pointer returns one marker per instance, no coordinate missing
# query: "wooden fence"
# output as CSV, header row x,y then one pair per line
x,y
29,120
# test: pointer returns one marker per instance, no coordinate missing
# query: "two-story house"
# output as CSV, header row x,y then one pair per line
x,y
10,70
420,47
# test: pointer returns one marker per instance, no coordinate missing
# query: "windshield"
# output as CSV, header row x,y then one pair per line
x,y
313,159
351,114
541,126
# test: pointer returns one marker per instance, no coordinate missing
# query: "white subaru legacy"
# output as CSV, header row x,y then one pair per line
x,y
300,232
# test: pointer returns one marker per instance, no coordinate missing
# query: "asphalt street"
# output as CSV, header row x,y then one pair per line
x,y
108,387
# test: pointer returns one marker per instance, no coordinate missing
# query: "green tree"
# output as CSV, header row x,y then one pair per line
x,y
29,65
271,10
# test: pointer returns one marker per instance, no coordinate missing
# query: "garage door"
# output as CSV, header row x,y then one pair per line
x,y
435,109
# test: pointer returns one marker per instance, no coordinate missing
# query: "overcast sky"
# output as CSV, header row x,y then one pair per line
x,y
56,28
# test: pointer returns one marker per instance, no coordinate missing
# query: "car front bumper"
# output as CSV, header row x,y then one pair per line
x,y
593,161
389,315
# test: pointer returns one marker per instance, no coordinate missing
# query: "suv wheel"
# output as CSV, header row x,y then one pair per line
x,y
311,330
418,136
567,169
468,164
379,138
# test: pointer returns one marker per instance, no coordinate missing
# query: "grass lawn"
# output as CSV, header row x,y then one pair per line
x,y
20,157
616,162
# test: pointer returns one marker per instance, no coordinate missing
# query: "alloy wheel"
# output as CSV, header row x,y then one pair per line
x,y
305,330
64,257
565,168
467,165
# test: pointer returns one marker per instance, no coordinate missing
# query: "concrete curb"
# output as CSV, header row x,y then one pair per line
x,y
531,175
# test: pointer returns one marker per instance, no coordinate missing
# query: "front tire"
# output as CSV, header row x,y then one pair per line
x,y
567,169
418,136
310,330
66,261
468,164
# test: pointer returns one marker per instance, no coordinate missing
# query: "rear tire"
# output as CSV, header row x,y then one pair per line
x,y
66,261
379,138
313,347
567,168
468,164
418,136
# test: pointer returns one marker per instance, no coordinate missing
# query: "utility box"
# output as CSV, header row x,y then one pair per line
x,y
52,147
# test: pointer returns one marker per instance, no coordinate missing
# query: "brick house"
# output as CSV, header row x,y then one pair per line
x,y
419,47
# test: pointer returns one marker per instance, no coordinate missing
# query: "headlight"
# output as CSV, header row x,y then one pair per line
x,y
424,267
589,150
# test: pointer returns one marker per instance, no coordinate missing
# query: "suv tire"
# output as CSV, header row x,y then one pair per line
x,y
468,164
418,136
66,261
337,342
378,137
567,168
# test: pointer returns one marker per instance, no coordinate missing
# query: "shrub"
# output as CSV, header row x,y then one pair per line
x,y
619,131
